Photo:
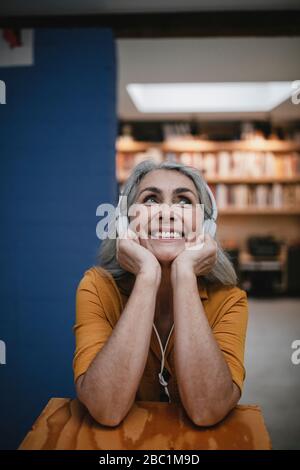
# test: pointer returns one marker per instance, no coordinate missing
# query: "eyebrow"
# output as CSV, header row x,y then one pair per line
x,y
153,189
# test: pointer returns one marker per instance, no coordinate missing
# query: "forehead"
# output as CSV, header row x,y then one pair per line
x,y
166,180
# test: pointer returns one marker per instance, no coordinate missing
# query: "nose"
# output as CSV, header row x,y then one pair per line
x,y
166,214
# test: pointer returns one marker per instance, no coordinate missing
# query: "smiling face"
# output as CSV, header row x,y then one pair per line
x,y
170,213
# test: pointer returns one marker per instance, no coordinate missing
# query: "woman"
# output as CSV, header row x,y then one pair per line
x,y
148,294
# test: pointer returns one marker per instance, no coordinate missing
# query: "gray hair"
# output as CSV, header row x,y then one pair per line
x,y
223,271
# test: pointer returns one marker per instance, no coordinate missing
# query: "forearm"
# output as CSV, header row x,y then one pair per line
x,y
204,379
109,385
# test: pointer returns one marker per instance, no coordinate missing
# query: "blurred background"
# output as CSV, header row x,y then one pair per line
x,y
89,89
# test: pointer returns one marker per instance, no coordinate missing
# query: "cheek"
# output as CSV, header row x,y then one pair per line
x,y
189,223
139,223
194,221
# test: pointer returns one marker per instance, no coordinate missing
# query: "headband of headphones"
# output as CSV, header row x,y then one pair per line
x,y
214,213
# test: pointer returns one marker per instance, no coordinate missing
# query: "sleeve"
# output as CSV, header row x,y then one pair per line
x,y
230,333
91,328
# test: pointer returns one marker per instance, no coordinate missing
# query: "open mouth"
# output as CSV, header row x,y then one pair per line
x,y
164,235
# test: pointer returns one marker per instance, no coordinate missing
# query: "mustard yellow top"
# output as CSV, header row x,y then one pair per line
x,y
100,302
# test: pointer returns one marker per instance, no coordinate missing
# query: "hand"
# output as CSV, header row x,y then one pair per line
x,y
199,260
133,257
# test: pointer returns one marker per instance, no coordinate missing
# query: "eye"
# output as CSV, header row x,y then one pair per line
x,y
147,198
186,199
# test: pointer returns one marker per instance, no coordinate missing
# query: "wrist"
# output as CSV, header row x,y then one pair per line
x,y
180,271
150,275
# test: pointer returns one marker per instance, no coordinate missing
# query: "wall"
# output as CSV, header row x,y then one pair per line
x,y
193,60
57,137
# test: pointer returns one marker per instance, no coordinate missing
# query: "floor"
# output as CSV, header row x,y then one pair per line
x,y
272,380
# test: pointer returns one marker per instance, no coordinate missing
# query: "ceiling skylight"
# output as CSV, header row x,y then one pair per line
x,y
227,97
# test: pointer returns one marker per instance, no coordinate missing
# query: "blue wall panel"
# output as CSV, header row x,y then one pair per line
x,y
57,138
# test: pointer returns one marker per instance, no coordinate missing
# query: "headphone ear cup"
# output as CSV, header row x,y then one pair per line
x,y
210,227
121,225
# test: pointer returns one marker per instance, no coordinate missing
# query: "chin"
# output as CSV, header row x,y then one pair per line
x,y
164,252
166,256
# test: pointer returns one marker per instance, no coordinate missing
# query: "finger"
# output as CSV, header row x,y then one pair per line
x,y
196,243
210,240
197,246
210,243
207,238
132,235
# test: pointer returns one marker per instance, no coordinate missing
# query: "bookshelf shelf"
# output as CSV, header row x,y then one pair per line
x,y
295,179
259,211
262,180
135,146
243,146
259,145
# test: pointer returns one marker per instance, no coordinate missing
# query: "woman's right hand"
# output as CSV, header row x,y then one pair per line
x,y
133,257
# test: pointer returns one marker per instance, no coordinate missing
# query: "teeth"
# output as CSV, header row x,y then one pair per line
x,y
166,235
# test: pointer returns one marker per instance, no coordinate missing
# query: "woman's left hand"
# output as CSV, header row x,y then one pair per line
x,y
199,261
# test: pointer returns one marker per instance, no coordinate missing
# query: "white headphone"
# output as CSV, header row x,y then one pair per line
x,y
209,225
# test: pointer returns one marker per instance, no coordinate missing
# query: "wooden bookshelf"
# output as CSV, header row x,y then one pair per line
x,y
262,180
259,211
234,180
240,220
131,146
179,146
258,145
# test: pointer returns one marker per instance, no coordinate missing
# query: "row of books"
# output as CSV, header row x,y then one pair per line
x,y
127,161
275,196
235,164
243,164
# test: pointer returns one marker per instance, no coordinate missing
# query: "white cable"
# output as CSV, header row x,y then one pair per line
x,y
160,376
